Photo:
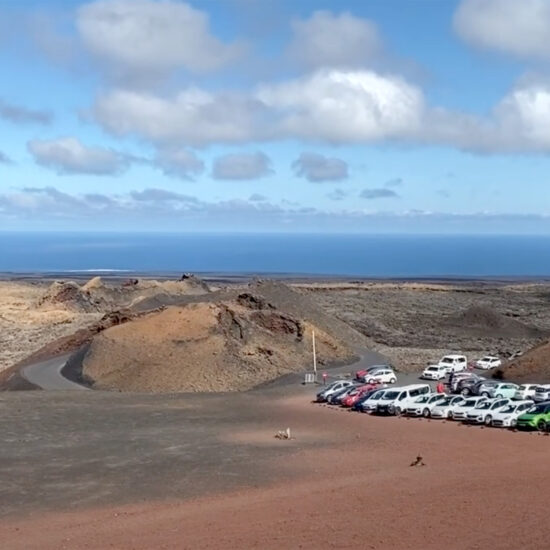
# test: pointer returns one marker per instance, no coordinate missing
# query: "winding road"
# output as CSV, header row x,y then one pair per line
x,y
47,375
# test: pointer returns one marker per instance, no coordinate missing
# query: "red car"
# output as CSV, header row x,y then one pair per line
x,y
356,394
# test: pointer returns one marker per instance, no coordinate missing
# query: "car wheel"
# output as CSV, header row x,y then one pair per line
x,y
541,425
449,415
393,380
499,395
488,420
426,413
465,392
397,411
513,423
485,394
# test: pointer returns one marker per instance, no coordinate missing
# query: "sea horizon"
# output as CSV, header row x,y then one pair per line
x,y
420,256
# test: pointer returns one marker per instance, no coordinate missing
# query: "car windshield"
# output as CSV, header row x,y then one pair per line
x,y
468,403
377,395
446,360
390,395
446,401
423,399
509,409
487,358
434,398
483,405
537,409
432,369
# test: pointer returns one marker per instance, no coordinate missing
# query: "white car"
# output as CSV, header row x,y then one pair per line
x,y
508,416
382,376
488,362
484,411
460,411
454,363
445,407
370,404
396,400
525,391
542,393
434,372
424,404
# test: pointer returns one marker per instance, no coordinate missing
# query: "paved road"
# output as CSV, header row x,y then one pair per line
x,y
47,375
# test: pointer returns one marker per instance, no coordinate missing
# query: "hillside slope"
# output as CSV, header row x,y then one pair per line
x,y
230,345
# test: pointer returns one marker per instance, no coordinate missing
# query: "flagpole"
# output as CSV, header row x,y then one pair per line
x,y
314,354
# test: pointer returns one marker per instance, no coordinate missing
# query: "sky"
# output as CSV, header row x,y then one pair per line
x,y
362,116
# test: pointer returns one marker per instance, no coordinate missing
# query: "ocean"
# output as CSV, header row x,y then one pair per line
x,y
376,256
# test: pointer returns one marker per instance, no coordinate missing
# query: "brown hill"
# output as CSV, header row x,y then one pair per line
x,y
227,345
533,366
485,321
139,295
69,296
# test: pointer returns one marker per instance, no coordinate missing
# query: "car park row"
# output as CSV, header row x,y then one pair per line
x,y
468,397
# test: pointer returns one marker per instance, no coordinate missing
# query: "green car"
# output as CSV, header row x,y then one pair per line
x,y
536,418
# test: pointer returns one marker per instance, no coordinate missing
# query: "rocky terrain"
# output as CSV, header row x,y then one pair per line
x,y
411,323
416,323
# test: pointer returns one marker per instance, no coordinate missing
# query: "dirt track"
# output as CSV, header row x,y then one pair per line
x,y
344,482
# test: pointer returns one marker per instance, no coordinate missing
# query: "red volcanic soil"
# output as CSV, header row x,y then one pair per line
x,y
479,488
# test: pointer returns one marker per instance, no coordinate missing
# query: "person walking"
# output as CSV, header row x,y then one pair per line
x,y
440,388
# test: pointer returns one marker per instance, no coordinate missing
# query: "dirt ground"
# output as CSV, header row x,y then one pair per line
x,y
122,471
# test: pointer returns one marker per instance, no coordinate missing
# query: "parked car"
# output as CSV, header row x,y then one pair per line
x,y
498,389
423,405
381,376
360,375
335,387
460,411
397,400
508,416
525,391
535,418
454,363
369,405
460,376
484,411
542,393
469,386
358,406
444,408
336,398
488,362
356,393
434,372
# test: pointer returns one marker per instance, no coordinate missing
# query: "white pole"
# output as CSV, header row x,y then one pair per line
x,y
314,354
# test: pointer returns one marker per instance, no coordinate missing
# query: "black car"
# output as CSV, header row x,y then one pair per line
x,y
469,386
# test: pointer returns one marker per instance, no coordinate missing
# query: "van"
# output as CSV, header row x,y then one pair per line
x,y
396,400
453,363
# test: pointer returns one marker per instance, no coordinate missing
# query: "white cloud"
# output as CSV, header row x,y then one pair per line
x,y
18,114
345,106
179,162
192,117
378,193
329,40
69,156
518,27
148,37
318,168
244,166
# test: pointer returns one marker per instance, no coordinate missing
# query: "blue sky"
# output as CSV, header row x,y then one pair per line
x,y
248,115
